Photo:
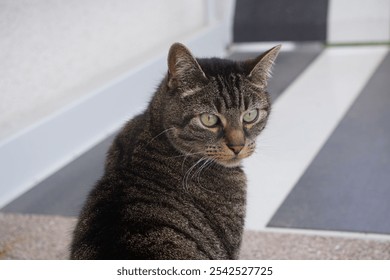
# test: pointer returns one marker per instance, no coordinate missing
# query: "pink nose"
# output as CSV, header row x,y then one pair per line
x,y
235,148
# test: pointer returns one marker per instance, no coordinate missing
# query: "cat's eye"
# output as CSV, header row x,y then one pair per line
x,y
250,116
209,120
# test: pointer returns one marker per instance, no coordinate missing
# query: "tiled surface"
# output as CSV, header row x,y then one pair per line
x,y
347,186
302,119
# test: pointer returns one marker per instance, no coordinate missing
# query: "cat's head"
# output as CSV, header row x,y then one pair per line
x,y
216,108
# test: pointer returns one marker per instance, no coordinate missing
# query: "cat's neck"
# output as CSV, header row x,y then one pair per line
x,y
155,110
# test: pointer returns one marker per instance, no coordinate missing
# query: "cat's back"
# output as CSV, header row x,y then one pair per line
x,y
130,136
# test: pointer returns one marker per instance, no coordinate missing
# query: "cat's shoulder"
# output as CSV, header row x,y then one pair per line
x,y
126,140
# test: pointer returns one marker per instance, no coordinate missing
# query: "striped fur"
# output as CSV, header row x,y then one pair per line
x,y
172,188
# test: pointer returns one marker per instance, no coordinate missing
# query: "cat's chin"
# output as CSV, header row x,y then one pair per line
x,y
231,163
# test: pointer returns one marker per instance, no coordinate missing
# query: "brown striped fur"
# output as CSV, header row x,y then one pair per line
x,y
174,188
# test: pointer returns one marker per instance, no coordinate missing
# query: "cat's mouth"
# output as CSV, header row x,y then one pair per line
x,y
231,160
228,158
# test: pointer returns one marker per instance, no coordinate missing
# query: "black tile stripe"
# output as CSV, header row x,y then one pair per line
x,y
276,20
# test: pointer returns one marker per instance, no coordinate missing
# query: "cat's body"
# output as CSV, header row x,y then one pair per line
x,y
162,196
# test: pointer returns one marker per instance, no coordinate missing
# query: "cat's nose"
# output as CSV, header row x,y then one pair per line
x,y
235,139
235,148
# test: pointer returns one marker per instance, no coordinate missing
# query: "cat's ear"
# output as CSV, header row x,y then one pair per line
x,y
183,67
261,66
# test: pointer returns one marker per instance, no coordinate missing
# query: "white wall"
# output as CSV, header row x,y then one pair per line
x,y
54,52
72,74
359,21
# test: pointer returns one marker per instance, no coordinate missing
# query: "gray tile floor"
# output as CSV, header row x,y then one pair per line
x,y
64,192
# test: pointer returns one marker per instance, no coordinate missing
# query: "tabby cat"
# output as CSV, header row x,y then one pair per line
x,y
173,187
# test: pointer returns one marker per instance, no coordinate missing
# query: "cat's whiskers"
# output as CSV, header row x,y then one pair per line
x,y
196,174
209,162
204,166
182,164
185,155
188,173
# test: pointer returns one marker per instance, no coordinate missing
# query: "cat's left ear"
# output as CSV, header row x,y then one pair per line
x,y
261,66
183,67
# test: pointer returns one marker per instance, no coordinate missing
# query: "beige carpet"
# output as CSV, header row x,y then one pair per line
x,y
48,237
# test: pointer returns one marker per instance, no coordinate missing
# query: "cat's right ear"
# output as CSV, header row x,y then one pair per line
x,y
183,67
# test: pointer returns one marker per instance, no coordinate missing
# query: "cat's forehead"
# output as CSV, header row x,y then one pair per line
x,y
214,67
228,90
227,101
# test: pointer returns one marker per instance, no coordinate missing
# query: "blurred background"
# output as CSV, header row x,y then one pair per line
x,y
72,72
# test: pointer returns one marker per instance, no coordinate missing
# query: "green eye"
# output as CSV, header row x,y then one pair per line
x,y
209,120
250,116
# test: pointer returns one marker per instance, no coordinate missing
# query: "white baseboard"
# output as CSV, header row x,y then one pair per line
x,y
40,150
